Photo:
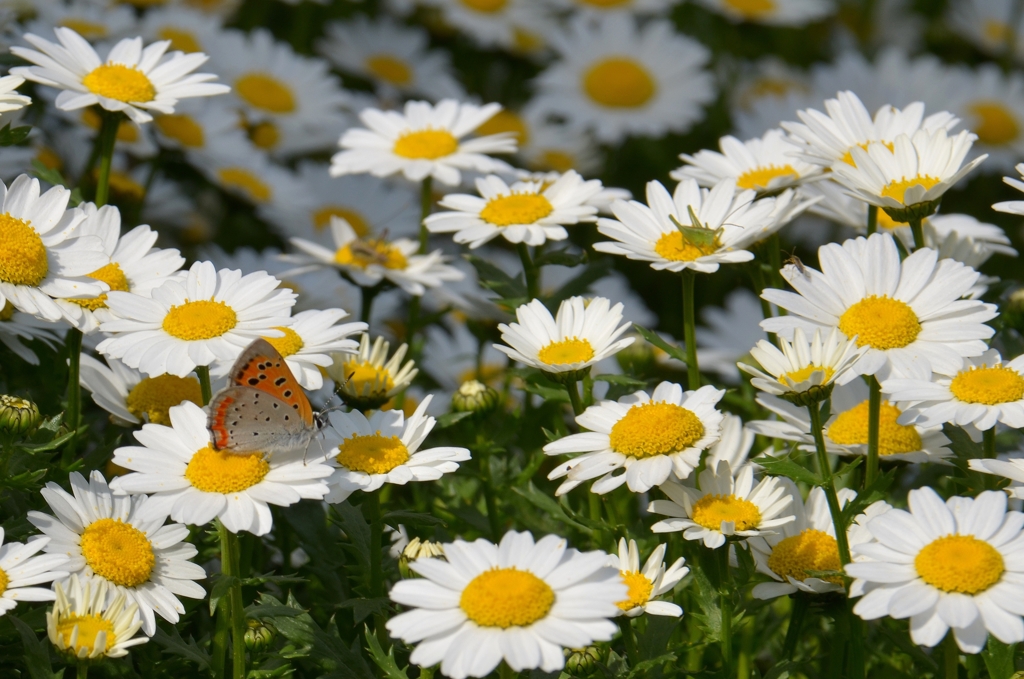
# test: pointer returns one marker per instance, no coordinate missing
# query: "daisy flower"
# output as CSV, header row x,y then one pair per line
x,y
985,23
1013,207
1011,467
92,21
763,164
519,601
982,392
395,57
949,565
194,483
512,24
990,104
9,99
654,580
772,12
134,265
238,168
801,370
200,125
662,232
908,181
582,333
650,437
733,444
41,256
194,319
16,326
846,430
385,448
369,375
368,261
597,8
723,506
525,212
618,78
132,79
807,544
188,30
425,140
132,398
89,621
22,568
830,137
107,537
903,311
558,147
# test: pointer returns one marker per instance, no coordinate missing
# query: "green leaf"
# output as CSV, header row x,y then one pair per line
x,y
653,338
961,444
448,419
846,469
411,518
547,504
563,257
547,393
385,661
621,380
174,644
788,467
644,665
11,136
354,524
710,617
261,611
221,586
48,174
56,443
998,657
362,608
496,280
37,654
871,494
782,670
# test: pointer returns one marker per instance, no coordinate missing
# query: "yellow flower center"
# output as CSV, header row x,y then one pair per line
x,y
127,132
557,160
506,597
123,186
895,190
110,274
649,429
22,253
426,144
89,627
220,471
182,129
516,208
505,121
564,352
363,253
118,551
848,156
990,386
90,30
996,31
322,219
752,9
994,123
639,587
850,428
806,372
372,453
264,91
180,40
154,396
360,374
199,320
264,135
759,178
711,510
290,344
4,581
485,6
960,563
674,247
880,322
246,182
120,82
389,69
811,550
619,82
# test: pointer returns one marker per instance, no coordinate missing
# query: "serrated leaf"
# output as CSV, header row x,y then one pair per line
x,y
644,665
621,380
710,617
385,661
788,467
871,494
411,518
563,257
37,654
493,278
547,393
998,657
653,338
174,644
782,670
448,419
48,174
354,524
362,608
846,469
56,443
261,611
221,587
11,136
961,444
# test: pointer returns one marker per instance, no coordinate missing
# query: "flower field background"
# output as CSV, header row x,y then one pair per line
x,y
603,339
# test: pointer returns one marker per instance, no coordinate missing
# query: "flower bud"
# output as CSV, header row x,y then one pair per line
x,y
474,397
581,662
1013,310
812,396
415,550
259,636
17,415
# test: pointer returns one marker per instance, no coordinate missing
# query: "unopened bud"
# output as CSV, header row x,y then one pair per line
x,y
581,662
259,636
415,550
812,396
18,415
1013,310
474,397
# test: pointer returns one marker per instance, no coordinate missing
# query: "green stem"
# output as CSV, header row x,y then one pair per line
x,y
203,373
366,307
951,658
82,671
229,552
874,419
372,509
107,140
857,665
493,520
828,483
530,271
725,605
426,203
801,602
690,329
918,231
574,397
74,346
629,639
302,18
872,219
837,652
428,672
506,672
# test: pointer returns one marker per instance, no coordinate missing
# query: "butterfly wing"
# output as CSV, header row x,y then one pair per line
x,y
262,367
245,419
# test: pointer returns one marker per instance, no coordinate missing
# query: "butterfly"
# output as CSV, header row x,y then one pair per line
x,y
263,409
